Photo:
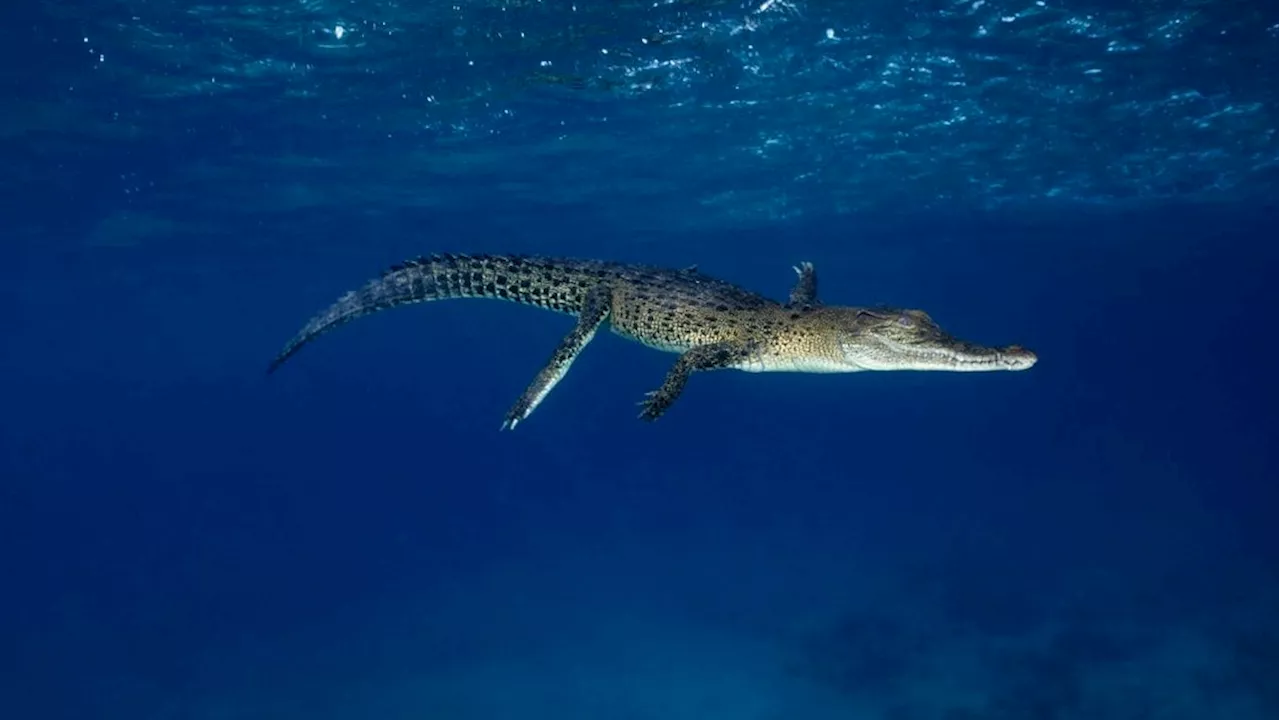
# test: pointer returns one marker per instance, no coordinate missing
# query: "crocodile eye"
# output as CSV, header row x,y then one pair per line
x,y
906,321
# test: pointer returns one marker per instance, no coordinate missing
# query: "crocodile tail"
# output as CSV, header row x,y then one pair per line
x,y
557,285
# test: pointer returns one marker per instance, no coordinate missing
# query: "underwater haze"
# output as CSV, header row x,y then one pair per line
x,y
185,184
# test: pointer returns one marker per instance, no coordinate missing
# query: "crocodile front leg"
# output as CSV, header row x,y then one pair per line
x,y
595,309
805,291
716,356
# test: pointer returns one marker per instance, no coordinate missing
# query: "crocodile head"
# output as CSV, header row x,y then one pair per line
x,y
884,339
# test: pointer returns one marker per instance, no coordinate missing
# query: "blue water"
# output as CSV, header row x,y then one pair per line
x,y
182,537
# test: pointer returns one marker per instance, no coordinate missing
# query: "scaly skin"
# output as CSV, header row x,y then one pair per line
x,y
711,323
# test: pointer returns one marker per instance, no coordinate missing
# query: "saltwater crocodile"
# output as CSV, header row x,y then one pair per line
x,y
711,323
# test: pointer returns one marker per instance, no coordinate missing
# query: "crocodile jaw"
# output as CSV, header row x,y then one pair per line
x,y
878,353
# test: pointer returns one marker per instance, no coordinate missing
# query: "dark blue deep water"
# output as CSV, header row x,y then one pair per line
x,y
183,538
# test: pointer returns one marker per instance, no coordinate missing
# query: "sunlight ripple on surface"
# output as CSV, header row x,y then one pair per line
x,y
823,108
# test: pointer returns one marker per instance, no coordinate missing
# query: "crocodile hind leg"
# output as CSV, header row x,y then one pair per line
x,y
595,309
716,356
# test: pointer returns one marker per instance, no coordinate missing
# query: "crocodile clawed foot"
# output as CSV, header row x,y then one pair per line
x,y
514,417
652,406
